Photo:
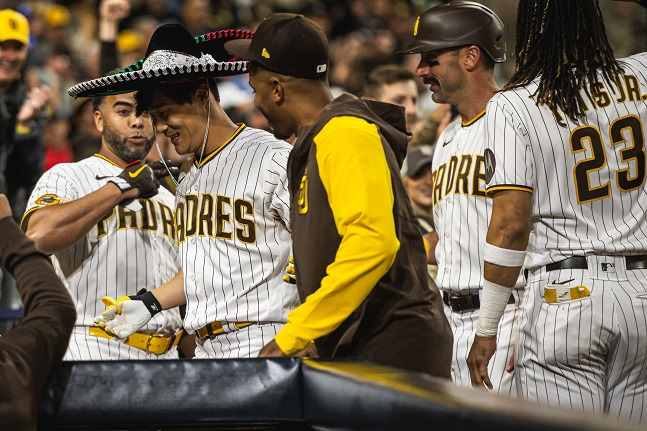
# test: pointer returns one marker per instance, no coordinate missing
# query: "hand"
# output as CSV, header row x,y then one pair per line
x,y
477,360
271,350
160,170
36,100
5,208
114,10
432,240
127,314
510,367
309,352
137,176
290,276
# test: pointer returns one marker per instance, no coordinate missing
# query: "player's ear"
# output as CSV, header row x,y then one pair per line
x,y
471,57
202,93
277,89
98,120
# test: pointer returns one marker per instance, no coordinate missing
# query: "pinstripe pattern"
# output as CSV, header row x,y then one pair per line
x,y
119,256
587,354
461,215
533,151
228,275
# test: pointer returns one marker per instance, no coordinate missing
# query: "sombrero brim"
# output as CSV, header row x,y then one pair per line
x,y
139,75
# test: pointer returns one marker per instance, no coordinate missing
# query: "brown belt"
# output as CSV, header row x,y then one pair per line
x,y
151,343
216,328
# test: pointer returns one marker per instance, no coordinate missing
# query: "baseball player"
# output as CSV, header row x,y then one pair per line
x,y
565,164
99,246
358,253
232,208
458,66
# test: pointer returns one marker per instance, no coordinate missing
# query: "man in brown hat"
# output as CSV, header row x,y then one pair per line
x,y
360,261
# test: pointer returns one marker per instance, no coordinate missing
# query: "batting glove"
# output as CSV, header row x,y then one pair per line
x,y
291,275
162,169
139,176
127,314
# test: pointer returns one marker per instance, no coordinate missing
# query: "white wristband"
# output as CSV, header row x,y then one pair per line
x,y
503,256
494,299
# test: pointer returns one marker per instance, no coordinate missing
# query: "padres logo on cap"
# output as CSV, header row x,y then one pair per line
x,y
415,27
265,53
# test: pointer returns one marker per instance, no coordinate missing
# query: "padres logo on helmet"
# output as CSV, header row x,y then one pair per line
x,y
444,26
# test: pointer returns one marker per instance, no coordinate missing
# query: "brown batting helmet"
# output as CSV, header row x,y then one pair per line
x,y
456,24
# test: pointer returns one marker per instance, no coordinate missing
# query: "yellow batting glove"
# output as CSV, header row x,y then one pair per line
x,y
290,276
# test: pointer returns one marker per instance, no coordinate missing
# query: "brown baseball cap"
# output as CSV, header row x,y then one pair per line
x,y
288,44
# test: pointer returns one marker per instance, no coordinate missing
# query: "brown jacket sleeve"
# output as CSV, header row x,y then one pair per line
x,y
31,352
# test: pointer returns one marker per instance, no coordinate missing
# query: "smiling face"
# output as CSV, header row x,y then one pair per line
x,y
442,71
13,55
182,123
127,136
419,189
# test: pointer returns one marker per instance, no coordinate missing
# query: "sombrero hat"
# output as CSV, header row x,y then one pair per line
x,y
173,55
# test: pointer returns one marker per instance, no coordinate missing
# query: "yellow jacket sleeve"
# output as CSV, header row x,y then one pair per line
x,y
354,172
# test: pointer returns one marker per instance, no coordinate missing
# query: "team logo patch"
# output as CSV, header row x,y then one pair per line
x,y
490,165
607,267
303,195
49,199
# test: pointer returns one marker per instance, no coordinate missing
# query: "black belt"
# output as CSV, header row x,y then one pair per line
x,y
579,262
465,302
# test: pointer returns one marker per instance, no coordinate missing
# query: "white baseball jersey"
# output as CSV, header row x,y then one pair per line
x,y
232,213
461,215
125,252
589,199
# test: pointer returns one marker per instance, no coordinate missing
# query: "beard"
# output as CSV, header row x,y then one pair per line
x,y
119,144
279,135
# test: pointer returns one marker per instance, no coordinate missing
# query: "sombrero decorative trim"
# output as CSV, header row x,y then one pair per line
x,y
170,65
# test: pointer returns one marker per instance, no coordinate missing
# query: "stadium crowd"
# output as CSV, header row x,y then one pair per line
x,y
48,47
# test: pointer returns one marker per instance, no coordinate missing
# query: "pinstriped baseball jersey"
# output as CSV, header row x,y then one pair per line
x,y
588,179
461,216
232,213
461,211
125,252
581,331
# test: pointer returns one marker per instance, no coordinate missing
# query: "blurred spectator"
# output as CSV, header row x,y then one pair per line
x,y
394,84
85,139
416,177
22,114
131,46
196,16
57,145
58,73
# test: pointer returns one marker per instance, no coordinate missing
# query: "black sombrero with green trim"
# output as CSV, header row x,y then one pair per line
x,y
173,55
